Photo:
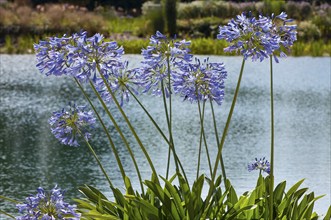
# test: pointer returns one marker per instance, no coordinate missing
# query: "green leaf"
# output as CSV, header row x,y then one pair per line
x,y
279,192
97,216
82,204
150,211
294,188
236,213
175,197
297,195
128,186
232,198
218,181
328,214
307,209
168,207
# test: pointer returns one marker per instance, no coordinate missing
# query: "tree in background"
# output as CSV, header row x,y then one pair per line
x,y
170,14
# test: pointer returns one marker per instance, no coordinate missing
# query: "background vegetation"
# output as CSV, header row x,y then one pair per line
x,y
131,22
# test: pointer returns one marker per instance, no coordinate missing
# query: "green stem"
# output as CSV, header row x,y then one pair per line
x,y
119,163
171,143
120,133
129,124
169,117
200,145
96,158
9,215
272,141
202,135
227,125
158,128
218,141
9,199
220,148
168,124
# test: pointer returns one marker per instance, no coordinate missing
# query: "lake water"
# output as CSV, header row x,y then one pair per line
x,y
30,156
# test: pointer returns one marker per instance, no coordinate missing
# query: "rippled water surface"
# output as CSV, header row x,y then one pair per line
x,y
31,157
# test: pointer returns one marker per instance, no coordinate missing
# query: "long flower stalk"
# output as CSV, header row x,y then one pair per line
x,y
118,129
129,124
97,159
7,214
168,124
171,142
218,140
108,134
225,130
272,162
227,125
169,117
104,127
203,138
159,129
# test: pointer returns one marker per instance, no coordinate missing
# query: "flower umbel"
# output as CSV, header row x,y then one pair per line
x,y
261,164
259,38
47,206
201,81
77,55
66,125
120,79
161,58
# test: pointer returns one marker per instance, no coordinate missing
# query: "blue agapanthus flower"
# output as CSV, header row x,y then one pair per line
x,y
66,125
201,81
120,80
77,55
259,38
47,206
261,164
161,57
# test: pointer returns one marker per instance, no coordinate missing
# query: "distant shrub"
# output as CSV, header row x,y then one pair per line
x,y
322,19
154,18
203,27
9,47
223,9
308,31
270,7
170,15
190,10
8,17
306,10
133,46
48,18
299,10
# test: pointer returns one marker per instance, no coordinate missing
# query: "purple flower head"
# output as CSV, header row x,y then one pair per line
x,y
77,56
261,164
201,81
66,125
47,206
120,80
259,38
162,57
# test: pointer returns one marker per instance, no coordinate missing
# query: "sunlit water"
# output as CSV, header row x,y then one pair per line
x,y
30,156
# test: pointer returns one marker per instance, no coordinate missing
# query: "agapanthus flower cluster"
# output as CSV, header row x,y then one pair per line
x,y
261,164
120,80
201,81
78,56
67,125
259,38
161,58
47,206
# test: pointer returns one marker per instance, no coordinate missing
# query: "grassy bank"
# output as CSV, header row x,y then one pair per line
x,y
24,45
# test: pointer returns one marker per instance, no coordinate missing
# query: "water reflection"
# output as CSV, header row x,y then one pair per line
x,y
30,156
